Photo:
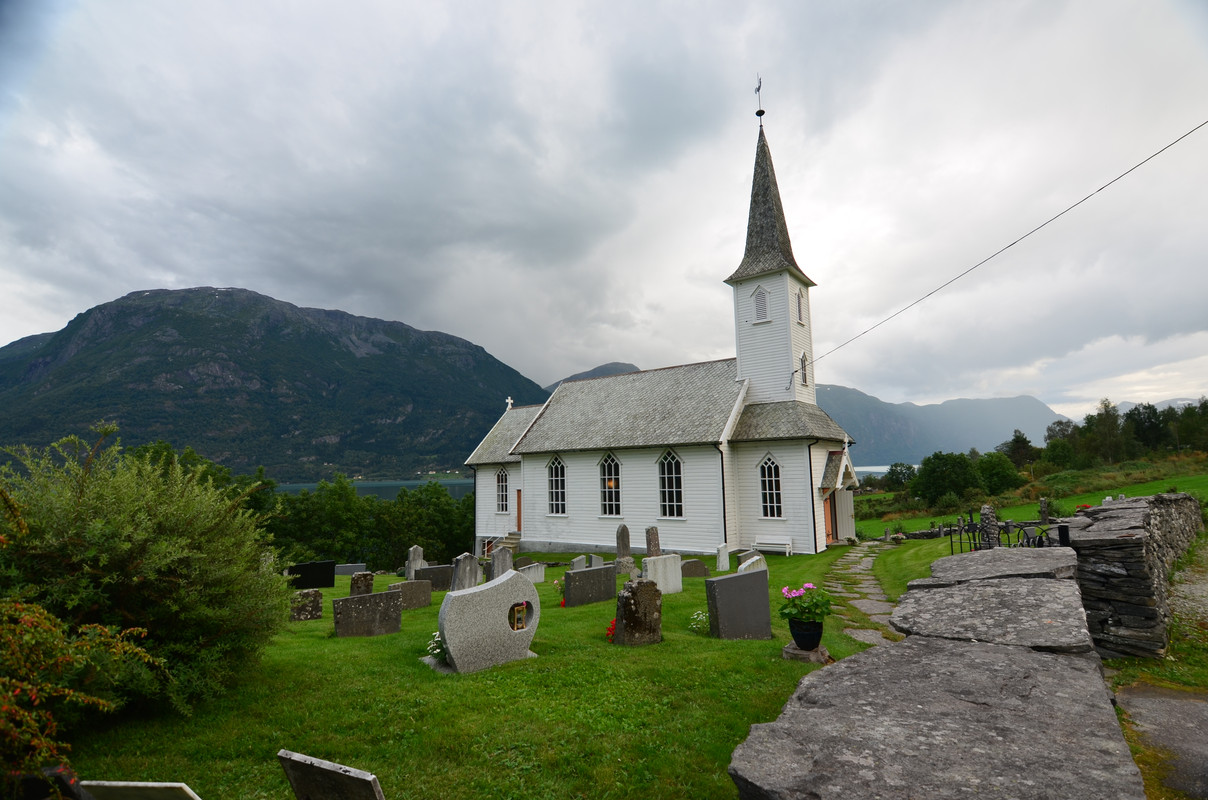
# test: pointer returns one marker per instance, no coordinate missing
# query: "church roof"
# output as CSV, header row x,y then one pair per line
x,y
689,404
496,447
788,420
768,247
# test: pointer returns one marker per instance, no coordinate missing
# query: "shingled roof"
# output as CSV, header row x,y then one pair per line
x,y
689,404
496,447
788,420
768,247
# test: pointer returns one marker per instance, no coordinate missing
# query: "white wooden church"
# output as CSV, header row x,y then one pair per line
x,y
733,452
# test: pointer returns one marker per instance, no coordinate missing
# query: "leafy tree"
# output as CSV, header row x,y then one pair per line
x,y
1019,450
899,476
998,474
1147,426
941,473
120,541
1102,433
1059,452
332,522
1060,429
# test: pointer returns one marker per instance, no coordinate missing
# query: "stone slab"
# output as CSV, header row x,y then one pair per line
x,y
415,560
739,607
594,561
866,635
313,574
578,562
590,585
534,570
723,557
138,790
623,548
819,655
350,569
1039,613
439,575
664,571
415,594
941,719
361,583
639,614
376,614
1006,562
306,604
316,779
870,606
522,561
754,563
693,568
1173,720
467,572
476,624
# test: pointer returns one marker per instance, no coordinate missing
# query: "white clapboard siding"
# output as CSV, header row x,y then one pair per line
x,y
798,520
765,349
489,523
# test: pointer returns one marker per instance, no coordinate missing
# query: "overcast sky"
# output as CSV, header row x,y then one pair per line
x,y
567,183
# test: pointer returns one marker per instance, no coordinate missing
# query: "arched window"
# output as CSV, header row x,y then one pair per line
x,y
557,486
671,486
804,365
610,486
769,488
801,305
501,491
761,304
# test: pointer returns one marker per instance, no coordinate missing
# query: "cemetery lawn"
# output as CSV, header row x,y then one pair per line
x,y
585,719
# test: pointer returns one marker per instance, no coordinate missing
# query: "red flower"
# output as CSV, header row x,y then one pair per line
x,y
563,603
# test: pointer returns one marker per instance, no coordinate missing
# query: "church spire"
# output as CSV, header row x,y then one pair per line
x,y
768,247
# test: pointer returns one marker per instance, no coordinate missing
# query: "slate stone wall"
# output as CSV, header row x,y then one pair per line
x,y
1126,549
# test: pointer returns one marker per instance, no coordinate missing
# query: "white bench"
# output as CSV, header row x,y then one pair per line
x,y
770,541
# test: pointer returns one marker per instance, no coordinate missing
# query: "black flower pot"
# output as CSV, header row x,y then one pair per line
x,y
807,633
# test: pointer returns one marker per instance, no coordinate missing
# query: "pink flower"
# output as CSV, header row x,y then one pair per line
x,y
807,586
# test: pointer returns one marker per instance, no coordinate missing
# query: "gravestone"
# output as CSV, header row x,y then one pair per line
x,y
578,562
439,575
639,614
134,790
744,555
594,561
664,571
535,572
988,527
723,557
585,586
623,550
313,574
350,569
501,562
739,607
522,561
467,572
368,614
415,561
626,566
757,562
415,594
491,624
362,583
693,568
1044,511
306,604
316,779
652,542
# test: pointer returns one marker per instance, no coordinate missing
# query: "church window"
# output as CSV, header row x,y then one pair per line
x,y
769,488
557,486
610,486
801,305
761,304
804,365
671,486
501,491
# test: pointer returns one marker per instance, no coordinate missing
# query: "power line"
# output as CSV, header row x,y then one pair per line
x,y
1003,249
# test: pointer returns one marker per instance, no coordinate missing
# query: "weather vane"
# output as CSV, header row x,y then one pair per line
x,y
759,98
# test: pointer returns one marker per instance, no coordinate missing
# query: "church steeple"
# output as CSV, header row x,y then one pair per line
x,y
768,246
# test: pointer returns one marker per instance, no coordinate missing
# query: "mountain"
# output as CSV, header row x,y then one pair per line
x,y
886,433
1177,402
246,380
611,368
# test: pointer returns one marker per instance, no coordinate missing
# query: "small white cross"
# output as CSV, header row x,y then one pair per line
x,y
509,403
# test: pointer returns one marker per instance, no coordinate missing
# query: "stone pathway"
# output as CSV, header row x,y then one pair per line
x,y
853,586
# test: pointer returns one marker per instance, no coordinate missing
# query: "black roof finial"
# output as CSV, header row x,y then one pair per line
x,y
758,87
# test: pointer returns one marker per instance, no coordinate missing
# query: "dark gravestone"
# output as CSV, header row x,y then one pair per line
x,y
316,779
368,614
313,574
652,542
693,568
623,541
501,562
467,572
350,569
60,779
593,585
522,561
746,555
416,594
439,575
361,583
306,604
738,605
578,562
639,614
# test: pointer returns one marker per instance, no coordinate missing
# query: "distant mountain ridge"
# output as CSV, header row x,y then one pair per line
x,y
611,368
247,380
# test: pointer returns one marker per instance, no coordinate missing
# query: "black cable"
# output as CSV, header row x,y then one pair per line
x,y
1009,246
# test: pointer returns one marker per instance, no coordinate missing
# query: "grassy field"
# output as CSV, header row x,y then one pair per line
x,y
584,719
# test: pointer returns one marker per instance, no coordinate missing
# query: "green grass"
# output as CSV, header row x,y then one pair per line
x,y
584,719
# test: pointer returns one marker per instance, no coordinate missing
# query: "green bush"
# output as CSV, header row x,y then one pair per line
x,y
948,502
121,541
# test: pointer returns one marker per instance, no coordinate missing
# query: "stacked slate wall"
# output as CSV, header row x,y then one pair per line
x,y
1126,549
